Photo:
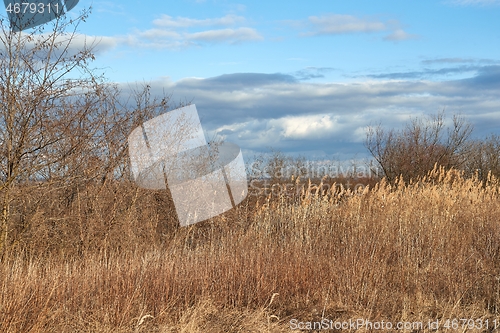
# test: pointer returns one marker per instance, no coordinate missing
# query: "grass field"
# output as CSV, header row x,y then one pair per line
x,y
112,260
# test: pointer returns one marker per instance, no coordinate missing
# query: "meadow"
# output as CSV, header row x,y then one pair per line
x,y
110,258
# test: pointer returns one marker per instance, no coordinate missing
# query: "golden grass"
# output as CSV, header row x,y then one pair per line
x,y
401,252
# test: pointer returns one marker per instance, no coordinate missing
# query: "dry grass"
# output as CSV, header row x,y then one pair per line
x,y
397,252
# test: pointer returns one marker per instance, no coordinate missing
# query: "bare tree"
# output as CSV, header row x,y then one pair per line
x,y
60,122
484,158
413,151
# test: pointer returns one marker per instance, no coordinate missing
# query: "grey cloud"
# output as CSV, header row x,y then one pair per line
x,y
488,77
225,132
236,81
258,111
312,73
426,73
459,60
447,61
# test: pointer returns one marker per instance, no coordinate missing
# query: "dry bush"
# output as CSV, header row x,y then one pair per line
x,y
62,126
484,158
413,151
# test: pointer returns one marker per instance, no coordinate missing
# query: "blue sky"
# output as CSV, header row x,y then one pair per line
x,y
307,77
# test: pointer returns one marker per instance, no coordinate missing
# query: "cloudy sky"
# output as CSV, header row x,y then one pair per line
x,y
307,77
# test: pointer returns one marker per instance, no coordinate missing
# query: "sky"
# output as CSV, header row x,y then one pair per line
x,y
306,78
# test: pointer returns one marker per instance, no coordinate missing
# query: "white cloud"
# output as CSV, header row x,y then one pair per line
x,y
336,24
474,2
340,24
399,35
182,32
184,22
308,126
155,34
110,8
71,44
225,35
100,44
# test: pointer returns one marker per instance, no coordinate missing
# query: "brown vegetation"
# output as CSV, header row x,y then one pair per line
x,y
113,263
83,249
